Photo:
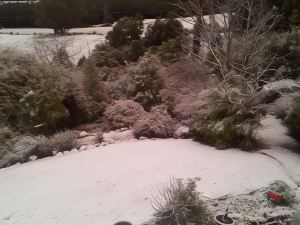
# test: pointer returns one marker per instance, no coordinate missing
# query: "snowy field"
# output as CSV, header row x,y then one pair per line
x,y
81,40
117,182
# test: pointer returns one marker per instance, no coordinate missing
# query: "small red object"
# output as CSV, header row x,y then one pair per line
x,y
275,197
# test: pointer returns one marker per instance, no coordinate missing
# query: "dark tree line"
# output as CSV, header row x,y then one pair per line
x,y
65,14
92,11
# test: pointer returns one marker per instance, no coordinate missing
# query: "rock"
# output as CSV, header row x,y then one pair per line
x,y
54,152
103,144
124,129
66,152
74,150
142,138
32,158
133,140
118,136
182,132
59,154
88,147
83,134
88,140
83,148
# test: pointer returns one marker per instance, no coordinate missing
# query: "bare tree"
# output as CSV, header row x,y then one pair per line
x,y
234,41
56,49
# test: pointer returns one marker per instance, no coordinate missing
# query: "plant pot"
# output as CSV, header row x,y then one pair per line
x,y
223,220
123,223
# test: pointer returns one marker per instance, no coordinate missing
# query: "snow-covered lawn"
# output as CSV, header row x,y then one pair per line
x,y
83,40
78,45
117,182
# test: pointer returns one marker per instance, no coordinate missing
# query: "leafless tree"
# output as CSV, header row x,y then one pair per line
x,y
55,49
233,40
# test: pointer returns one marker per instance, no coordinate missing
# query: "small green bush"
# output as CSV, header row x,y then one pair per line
x,y
179,203
293,119
61,57
126,30
170,50
145,86
162,31
157,124
81,61
124,113
60,142
107,56
227,126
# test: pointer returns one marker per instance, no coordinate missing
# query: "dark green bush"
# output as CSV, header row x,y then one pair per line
x,y
126,30
145,86
293,119
287,49
227,126
162,31
134,51
170,50
106,56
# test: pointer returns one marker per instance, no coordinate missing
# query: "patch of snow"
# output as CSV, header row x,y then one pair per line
x,y
274,133
83,134
182,132
287,84
83,148
32,158
103,187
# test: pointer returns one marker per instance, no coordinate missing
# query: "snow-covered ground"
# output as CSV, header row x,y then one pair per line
x,y
78,45
117,182
83,40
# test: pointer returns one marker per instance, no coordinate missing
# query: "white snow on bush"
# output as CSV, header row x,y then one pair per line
x,y
117,182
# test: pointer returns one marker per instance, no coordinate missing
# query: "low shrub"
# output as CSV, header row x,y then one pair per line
x,y
179,203
227,126
105,55
145,86
162,31
170,50
158,124
60,142
124,113
126,30
292,120
18,149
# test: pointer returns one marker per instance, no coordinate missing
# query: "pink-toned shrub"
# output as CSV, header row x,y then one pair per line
x,y
124,113
158,124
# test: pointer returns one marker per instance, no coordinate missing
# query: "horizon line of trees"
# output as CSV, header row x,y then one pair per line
x,y
95,11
